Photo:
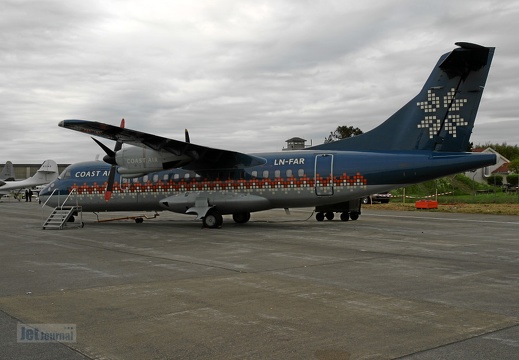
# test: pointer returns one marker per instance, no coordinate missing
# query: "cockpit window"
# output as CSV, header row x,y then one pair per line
x,y
65,174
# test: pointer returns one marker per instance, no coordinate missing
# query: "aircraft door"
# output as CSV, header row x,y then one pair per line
x,y
323,175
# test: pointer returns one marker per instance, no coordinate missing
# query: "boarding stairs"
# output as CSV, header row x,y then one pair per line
x,y
59,217
62,214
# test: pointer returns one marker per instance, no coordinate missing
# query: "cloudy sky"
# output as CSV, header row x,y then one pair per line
x,y
241,75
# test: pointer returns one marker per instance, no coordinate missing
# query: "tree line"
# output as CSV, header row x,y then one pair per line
x,y
511,152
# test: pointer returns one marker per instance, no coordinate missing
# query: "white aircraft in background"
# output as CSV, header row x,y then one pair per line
x,y
47,173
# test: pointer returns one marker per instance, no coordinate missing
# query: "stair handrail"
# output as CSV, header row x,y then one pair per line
x,y
73,191
51,194
45,203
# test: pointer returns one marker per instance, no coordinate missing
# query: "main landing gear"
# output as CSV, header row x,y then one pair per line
x,y
213,219
350,210
329,215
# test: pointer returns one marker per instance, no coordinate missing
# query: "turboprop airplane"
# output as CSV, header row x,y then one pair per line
x,y
7,172
46,173
426,139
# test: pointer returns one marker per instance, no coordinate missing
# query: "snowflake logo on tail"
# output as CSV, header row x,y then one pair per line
x,y
432,105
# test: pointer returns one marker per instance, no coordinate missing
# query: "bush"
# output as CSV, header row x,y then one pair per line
x,y
512,179
495,180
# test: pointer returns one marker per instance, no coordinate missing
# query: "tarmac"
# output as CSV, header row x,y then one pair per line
x,y
410,285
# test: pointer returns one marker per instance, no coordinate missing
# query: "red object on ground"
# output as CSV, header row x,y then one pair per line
x,y
426,204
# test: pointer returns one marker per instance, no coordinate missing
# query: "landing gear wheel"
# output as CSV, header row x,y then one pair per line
x,y
139,220
319,216
241,218
212,219
329,216
345,216
354,215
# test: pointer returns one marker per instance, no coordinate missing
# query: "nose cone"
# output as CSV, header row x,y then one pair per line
x,y
46,193
47,190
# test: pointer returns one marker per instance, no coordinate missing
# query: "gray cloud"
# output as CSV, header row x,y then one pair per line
x,y
241,75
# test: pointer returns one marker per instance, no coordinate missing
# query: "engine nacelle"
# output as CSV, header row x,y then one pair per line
x,y
136,161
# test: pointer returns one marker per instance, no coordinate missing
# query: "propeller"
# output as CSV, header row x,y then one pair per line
x,y
110,159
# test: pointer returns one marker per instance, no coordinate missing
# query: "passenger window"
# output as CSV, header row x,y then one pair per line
x,y
300,173
187,176
277,173
254,174
176,176
155,178
265,174
289,173
166,177
145,179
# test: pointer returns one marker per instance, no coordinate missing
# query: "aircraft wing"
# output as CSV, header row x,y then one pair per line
x,y
203,157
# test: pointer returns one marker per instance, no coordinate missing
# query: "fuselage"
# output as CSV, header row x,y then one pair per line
x,y
287,179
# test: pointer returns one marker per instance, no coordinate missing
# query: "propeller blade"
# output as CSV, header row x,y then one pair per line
x,y
110,159
106,149
110,185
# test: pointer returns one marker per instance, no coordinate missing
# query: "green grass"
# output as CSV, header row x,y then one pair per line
x,y
495,198
457,189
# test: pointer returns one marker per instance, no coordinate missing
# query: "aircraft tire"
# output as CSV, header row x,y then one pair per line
x,y
329,215
345,216
241,218
354,215
212,219
319,216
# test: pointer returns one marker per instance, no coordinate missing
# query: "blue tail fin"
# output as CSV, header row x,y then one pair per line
x,y
441,116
